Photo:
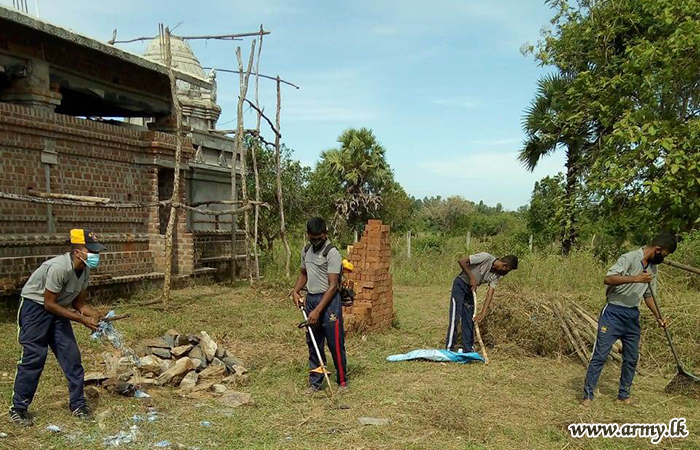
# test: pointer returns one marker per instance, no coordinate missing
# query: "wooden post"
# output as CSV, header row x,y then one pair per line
x,y
408,244
355,236
241,147
254,151
283,233
532,236
234,218
165,42
593,241
469,239
686,267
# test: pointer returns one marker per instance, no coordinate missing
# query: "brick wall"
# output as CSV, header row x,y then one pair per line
x,y
93,159
212,248
373,308
96,159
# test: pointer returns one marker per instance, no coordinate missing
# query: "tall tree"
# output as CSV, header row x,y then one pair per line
x,y
548,126
359,165
636,76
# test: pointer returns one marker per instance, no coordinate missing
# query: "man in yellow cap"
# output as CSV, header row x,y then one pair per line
x,y
53,296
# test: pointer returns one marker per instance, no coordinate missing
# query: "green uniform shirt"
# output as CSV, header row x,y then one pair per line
x,y
630,295
56,275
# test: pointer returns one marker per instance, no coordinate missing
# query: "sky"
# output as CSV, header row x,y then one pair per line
x,y
442,83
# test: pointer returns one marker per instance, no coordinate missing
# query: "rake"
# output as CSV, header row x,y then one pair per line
x,y
683,377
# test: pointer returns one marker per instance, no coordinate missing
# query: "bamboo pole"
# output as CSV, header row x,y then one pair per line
x,y
80,198
577,336
686,267
559,315
165,39
119,206
283,232
229,202
241,147
223,37
617,347
262,75
254,152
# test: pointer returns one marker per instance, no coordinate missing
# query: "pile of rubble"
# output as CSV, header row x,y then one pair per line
x,y
193,362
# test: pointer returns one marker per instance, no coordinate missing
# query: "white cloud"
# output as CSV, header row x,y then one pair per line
x,y
494,177
491,166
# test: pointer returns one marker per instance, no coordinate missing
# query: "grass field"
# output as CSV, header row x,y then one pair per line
x,y
515,402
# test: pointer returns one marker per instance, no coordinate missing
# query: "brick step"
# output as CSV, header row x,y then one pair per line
x,y
127,278
216,259
18,268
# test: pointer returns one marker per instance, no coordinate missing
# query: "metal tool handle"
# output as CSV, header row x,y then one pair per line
x,y
318,352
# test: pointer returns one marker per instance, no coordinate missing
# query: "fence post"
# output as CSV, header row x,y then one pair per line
x,y
355,235
408,244
532,236
469,239
593,242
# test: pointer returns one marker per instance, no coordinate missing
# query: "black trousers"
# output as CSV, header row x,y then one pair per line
x,y
329,329
461,311
39,330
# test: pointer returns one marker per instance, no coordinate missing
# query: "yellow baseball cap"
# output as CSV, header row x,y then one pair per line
x,y
87,238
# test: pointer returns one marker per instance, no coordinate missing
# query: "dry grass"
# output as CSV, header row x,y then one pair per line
x,y
515,402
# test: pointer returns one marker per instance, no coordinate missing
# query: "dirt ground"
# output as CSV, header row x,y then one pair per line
x,y
515,402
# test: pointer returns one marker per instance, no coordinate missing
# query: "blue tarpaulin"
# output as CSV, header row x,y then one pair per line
x,y
438,355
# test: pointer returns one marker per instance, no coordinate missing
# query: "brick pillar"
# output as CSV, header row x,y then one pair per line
x,y
373,308
183,241
156,240
31,86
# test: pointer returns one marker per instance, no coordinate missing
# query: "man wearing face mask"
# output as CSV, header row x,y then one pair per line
x,y
321,264
54,296
632,277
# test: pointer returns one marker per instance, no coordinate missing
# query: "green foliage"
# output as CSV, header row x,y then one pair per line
x,y
447,216
359,164
634,70
455,216
294,181
397,207
546,208
428,243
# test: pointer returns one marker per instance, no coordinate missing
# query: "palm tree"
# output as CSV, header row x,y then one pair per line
x,y
548,127
360,165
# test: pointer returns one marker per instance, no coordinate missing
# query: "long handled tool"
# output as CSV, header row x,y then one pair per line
x,y
478,335
318,352
681,370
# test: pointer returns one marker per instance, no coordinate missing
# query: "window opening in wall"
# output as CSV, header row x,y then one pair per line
x,y
166,178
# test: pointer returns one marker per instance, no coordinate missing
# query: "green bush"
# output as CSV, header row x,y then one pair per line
x,y
428,244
